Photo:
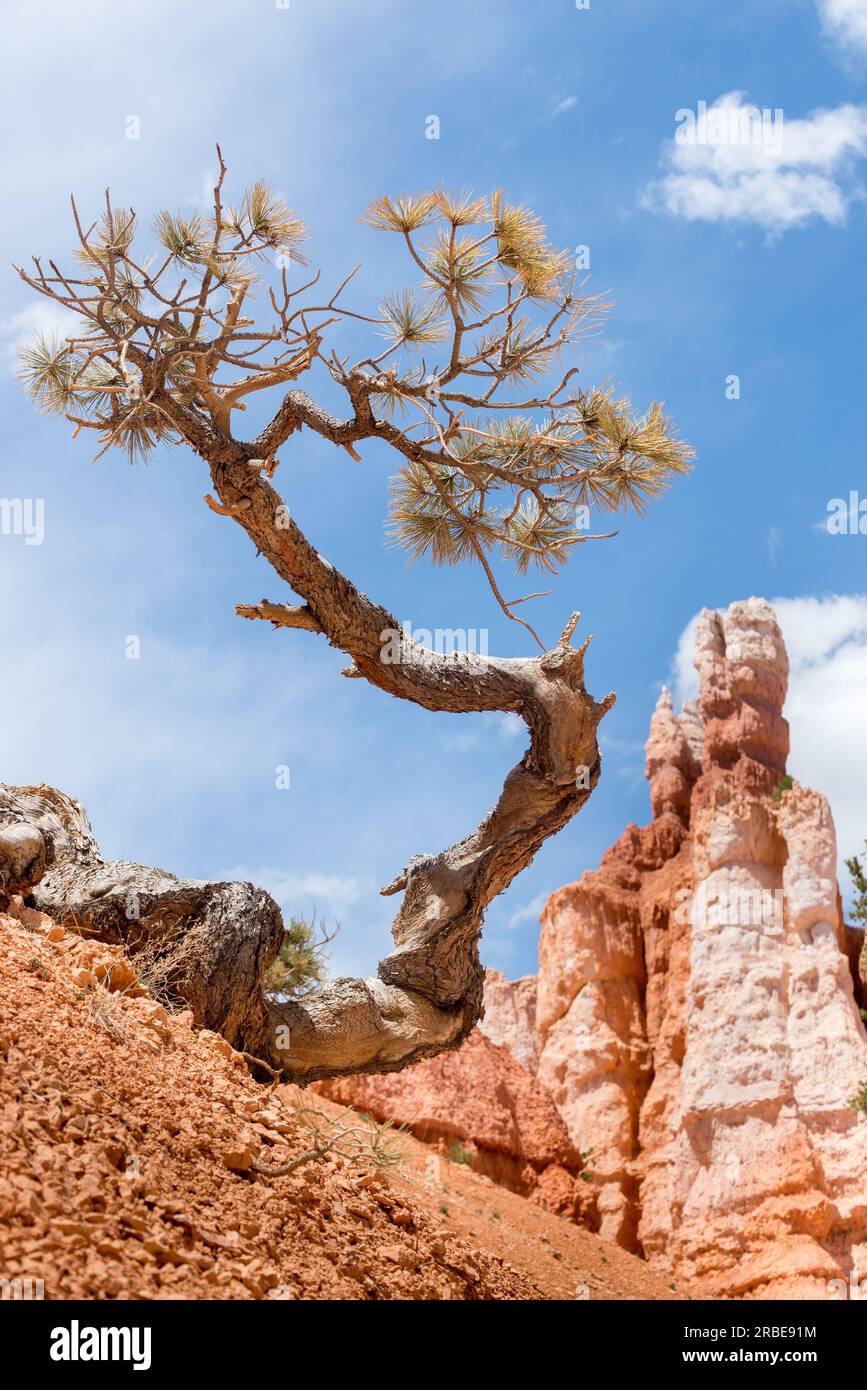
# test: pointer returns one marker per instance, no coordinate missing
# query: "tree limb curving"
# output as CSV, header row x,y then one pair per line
x,y
216,940
148,365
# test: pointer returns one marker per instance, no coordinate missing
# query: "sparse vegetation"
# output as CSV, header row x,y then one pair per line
x,y
785,784
300,962
458,1154
373,1145
107,1012
858,875
858,1103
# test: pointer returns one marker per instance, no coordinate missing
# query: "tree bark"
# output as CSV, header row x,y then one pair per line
x,y
213,942
208,944
216,940
428,995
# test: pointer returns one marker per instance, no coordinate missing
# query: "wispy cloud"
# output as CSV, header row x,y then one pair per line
x,y
529,912
776,173
480,732
40,317
775,542
302,892
846,22
561,105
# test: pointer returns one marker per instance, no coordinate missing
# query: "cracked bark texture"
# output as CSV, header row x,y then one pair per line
x,y
209,942
174,365
215,941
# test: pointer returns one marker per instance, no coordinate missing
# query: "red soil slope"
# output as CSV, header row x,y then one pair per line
x,y
125,1144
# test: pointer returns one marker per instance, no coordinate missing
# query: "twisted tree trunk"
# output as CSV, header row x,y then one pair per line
x,y
428,994
180,367
207,944
213,942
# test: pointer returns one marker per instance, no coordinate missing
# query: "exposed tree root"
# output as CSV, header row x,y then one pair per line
x,y
211,943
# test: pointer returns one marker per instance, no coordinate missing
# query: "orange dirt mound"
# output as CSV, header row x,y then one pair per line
x,y
126,1139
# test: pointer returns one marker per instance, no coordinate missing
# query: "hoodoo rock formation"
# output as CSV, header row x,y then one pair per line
x,y
695,1018
697,1024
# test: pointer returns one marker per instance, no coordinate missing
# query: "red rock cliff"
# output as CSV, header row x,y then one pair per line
x,y
696,1021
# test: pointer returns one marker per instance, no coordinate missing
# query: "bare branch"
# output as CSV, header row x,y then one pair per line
x,y
280,614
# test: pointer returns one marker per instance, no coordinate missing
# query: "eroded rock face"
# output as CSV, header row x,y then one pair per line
x,y
693,1037
594,1059
696,1020
485,1102
510,1016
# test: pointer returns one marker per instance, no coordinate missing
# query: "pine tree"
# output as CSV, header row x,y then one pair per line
x,y
496,447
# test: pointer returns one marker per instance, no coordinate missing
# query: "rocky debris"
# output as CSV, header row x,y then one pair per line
x,y
696,1020
125,1135
510,1016
483,1107
205,946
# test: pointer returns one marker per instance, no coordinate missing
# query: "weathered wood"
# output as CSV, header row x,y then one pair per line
x,y
208,942
214,942
217,940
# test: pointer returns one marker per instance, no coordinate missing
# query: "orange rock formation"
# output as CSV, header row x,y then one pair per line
x,y
697,1025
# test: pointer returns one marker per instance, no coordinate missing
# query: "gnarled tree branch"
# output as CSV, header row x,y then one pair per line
x,y
150,364
217,940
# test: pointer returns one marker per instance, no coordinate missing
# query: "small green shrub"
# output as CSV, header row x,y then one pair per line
x,y
858,1103
458,1154
859,883
300,963
785,784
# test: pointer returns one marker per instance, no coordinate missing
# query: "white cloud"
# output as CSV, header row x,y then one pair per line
x,y
476,732
510,726
775,541
683,678
183,723
826,639
827,642
529,912
733,163
562,105
846,21
328,894
816,629
41,317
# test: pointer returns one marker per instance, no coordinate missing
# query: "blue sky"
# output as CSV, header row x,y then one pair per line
x,y
718,264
